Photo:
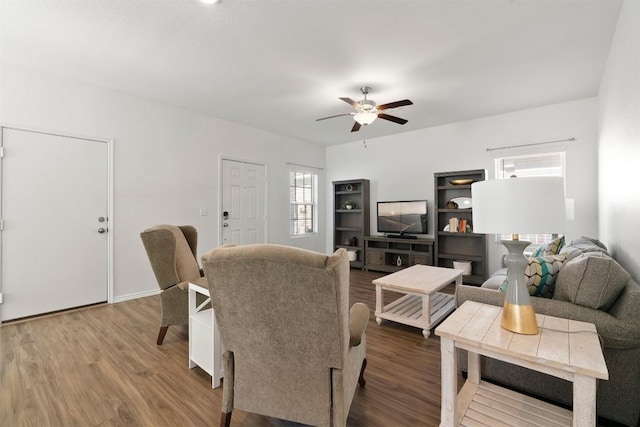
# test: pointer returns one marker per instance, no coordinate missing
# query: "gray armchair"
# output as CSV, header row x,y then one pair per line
x,y
293,348
172,252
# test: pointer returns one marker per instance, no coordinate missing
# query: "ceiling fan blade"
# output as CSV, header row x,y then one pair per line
x,y
395,104
350,101
356,127
392,118
331,117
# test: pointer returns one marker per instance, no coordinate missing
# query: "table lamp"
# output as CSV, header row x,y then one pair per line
x,y
514,206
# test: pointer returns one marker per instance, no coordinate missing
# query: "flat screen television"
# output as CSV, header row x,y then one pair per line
x,y
403,217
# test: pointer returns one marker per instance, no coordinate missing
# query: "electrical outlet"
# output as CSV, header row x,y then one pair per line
x,y
204,211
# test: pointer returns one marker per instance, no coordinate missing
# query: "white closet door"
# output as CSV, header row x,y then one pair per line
x,y
54,244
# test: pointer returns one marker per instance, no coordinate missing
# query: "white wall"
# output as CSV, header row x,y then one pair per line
x,y
166,162
619,145
401,167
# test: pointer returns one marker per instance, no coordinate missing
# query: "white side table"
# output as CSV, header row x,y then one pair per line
x,y
205,348
564,348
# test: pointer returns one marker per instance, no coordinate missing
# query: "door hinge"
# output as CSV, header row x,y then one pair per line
x,y
1,224
1,152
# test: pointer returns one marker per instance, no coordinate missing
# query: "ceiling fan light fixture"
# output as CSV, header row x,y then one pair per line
x,y
365,117
367,111
366,105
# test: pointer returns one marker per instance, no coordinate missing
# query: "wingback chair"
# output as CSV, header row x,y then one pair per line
x,y
293,348
172,253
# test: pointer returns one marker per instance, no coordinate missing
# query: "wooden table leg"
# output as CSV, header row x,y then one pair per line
x,y
584,401
426,315
449,383
473,367
191,310
379,303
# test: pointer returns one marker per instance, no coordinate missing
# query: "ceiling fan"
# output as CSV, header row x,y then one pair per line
x,y
367,110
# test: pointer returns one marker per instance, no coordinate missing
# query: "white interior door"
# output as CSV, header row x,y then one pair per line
x,y
54,245
243,202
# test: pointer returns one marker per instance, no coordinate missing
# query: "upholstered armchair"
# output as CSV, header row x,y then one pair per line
x,y
293,348
172,253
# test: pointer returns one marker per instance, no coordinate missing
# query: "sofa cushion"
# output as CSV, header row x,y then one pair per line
x,y
583,245
592,280
584,240
540,275
549,248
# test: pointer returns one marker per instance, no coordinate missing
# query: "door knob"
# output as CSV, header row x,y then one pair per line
x,y
102,230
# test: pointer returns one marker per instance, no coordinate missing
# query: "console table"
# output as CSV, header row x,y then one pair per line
x,y
382,253
205,348
564,348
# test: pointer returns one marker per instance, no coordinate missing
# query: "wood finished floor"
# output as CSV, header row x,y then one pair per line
x,y
101,367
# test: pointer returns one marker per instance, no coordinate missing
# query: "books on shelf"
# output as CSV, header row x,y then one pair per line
x,y
459,225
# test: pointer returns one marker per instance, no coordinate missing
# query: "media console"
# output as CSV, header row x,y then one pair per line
x,y
383,252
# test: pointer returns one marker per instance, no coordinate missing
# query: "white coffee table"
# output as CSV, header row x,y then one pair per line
x,y
422,306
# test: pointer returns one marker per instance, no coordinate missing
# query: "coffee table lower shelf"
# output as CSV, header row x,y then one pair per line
x,y
408,310
489,405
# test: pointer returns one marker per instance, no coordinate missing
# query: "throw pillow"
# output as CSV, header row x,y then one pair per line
x,y
549,248
584,245
592,280
585,239
540,275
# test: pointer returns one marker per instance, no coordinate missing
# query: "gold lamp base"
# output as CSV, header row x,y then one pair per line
x,y
520,319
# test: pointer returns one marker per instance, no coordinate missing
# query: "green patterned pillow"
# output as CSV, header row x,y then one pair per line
x,y
540,275
549,248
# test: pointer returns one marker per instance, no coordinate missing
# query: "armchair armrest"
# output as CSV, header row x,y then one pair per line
x,y
358,320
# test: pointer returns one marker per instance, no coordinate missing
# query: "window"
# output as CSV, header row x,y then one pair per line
x,y
303,196
544,164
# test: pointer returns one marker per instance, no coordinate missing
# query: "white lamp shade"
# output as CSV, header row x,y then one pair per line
x,y
519,206
365,117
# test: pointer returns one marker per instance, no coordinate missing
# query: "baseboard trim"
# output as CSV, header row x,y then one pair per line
x,y
137,295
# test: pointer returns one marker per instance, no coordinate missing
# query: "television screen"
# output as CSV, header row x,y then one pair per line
x,y
403,217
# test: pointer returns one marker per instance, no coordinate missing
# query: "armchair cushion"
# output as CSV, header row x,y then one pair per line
x,y
592,280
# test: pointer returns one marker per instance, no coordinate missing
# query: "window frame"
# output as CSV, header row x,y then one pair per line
x,y
299,227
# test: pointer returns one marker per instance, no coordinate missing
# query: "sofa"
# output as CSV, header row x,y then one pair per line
x,y
581,282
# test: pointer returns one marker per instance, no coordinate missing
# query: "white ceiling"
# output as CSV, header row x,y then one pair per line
x,y
280,64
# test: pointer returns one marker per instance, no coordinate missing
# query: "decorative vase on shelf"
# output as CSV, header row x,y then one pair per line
x,y
350,204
